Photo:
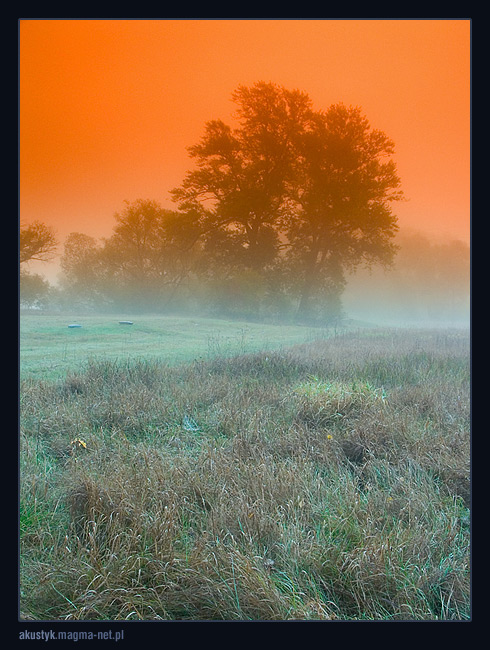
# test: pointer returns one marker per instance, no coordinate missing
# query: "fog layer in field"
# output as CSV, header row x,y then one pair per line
x,y
429,284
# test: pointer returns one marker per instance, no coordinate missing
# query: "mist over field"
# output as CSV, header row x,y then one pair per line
x,y
222,457
279,214
427,285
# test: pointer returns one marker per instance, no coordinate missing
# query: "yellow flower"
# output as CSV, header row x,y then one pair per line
x,y
329,437
78,442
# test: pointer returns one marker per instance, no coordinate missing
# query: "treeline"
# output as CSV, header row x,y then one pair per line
x,y
428,282
277,212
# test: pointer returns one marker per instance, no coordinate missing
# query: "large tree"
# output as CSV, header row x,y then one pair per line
x,y
307,192
237,192
345,184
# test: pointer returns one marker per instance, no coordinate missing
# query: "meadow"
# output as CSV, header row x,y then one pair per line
x,y
248,472
49,348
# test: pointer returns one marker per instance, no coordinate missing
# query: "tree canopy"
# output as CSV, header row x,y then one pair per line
x,y
309,190
279,206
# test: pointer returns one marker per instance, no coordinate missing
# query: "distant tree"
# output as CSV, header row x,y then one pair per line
x,y
37,242
82,269
433,277
148,255
453,265
34,290
428,282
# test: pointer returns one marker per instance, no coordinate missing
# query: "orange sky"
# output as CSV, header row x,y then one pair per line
x,y
108,107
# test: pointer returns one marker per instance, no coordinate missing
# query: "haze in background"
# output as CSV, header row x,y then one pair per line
x,y
108,107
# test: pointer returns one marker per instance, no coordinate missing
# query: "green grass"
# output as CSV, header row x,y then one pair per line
x,y
329,480
49,348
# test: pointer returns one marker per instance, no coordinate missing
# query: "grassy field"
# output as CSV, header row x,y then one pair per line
x,y
325,481
49,348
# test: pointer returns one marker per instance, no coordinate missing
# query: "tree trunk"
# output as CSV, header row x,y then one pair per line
x,y
309,283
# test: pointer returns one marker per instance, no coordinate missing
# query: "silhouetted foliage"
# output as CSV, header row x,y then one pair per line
x,y
292,188
150,251
141,265
240,187
344,186
36,242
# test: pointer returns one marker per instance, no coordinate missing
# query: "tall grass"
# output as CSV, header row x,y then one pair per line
x,y
329,481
